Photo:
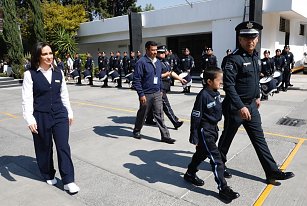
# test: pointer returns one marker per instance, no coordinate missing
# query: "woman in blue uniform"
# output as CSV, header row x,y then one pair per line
x,y
206,113
47,111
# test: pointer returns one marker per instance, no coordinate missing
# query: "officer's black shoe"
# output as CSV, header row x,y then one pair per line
x,y
178,124
279,176
137,135
228,194
150,122
168,140
290,85
193,179
227,173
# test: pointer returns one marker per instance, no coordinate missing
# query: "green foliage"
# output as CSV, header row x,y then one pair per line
x,y
63,42
61,25
11,33
57,16
149,7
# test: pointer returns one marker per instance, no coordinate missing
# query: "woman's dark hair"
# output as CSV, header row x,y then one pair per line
x,y
36,54
210,73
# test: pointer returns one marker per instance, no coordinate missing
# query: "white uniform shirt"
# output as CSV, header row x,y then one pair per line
x,y
27,95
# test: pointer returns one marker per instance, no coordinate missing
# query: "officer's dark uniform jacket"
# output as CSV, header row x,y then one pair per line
x,y
77,63
103,62
89,63
241,78
206,113
47,97
267,66
131,64
117,62
166,82
279,63
187,63
289,59
208,60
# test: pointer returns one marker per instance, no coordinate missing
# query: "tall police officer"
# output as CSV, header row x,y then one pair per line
x,y
267,69
241,103
208,59
89,66
186,65
77,66
118,65
103,63
279,64
288,69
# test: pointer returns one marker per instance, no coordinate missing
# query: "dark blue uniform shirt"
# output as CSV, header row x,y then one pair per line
x,y
241,78
206,113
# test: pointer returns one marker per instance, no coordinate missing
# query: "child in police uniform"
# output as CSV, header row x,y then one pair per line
x,y
206,113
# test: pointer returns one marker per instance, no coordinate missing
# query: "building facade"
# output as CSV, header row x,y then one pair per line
x,y
206,23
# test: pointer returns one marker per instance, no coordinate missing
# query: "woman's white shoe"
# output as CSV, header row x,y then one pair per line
x,y
51,182
72,188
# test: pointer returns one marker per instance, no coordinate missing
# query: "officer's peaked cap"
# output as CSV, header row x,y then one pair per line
x,y
249,29
161,49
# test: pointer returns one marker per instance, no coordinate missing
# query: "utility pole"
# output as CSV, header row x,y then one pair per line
x,y
255,14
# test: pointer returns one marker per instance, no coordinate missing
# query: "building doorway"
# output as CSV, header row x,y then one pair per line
x,y
196,44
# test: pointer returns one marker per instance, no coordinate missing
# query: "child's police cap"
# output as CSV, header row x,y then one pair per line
x,y
161,49
249,29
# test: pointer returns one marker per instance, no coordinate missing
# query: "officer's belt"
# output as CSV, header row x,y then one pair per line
x,y
248,101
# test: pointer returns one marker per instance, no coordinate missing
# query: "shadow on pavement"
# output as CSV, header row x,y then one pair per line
x,y
28,164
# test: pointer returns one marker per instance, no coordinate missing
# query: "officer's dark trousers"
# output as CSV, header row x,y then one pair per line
x,y
53,125
207,148
79,78
152,101
167,110
232,122
286,78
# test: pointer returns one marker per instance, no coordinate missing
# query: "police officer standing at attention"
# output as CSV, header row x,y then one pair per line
x,y
208,59
267,69
77,66
186,65
279,64
241,103
89,66
125,63
103,63
118,65
147,83
288,69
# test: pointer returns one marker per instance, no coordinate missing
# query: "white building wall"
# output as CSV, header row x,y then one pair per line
x,y
203,17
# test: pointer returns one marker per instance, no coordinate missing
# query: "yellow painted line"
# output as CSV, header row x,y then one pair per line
x,y
9,114
186,120
269,188
106,107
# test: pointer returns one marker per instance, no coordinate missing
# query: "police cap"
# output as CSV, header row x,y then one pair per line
x,y
249,29
161,49
286,47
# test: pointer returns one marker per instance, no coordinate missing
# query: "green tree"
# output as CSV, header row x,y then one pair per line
x,y
121,7
61,24
11,32
149,7
38,25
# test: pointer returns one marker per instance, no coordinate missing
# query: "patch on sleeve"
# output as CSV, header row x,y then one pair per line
x,y
228,66
195,113
211,104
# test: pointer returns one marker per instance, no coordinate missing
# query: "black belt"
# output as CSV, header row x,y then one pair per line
x,y
248,101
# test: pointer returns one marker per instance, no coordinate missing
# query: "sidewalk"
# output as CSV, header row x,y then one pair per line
x,y
112,168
